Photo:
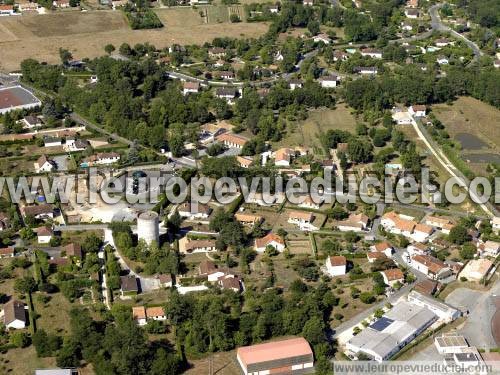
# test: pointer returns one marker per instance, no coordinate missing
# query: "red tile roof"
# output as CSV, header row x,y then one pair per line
x,y
273,351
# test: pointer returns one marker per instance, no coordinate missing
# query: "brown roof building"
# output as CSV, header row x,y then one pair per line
x,y
207,267
14,314
293,356
73,250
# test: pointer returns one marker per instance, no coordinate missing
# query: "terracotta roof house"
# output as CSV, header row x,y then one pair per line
x,y
139,315
427,287
248,219
292,356
336,265
156,313
7,252
232,140
271,239
392,276
302,219
372,256
190,87
14,315
355,222
383,247
430,266
244,162
189,246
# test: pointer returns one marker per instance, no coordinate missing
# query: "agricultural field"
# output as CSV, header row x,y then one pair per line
x,y
305,133
86,34
474,125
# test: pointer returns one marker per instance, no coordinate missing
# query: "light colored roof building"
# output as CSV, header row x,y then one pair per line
x,y
444,311
476,269
389,334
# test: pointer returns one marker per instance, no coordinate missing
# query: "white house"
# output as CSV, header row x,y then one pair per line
x,y
14,314
336,265
495,224
52,141
7,10
190,87
328,81
393,276
302,219
102,158
371,52
417,110
442,42
44,164
383,247
355,222
156,313
422,232
442,60
402,118
412,13
283,157
187,246
31,122
44,234
270,239
194,211
295,84
489,248
139,315
322,38
310,203
226,93
369,70
232,140
417,248
430,266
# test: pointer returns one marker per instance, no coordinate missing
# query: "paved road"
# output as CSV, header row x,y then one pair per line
x,y
481,305
449,167
438,25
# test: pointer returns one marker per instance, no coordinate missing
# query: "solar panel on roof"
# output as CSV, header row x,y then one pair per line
x,y
382,324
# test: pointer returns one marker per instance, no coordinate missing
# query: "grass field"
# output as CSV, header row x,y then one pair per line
x,y
306,133
86,34
469,115
475,125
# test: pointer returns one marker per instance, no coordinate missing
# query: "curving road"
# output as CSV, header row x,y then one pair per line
x,y
437,25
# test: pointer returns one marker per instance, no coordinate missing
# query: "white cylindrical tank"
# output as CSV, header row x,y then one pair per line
x,y
148,227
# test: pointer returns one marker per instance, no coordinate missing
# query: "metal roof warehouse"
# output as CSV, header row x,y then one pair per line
x,y
15,98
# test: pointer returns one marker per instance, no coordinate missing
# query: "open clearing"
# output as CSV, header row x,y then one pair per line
x,y
471,116
474,125
306,133
85,34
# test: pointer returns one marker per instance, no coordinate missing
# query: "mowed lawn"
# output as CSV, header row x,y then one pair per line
x,y
469,115
86,34
306,133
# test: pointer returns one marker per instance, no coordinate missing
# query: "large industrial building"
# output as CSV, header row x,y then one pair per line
x,y
445,312
389,334
293,356
15,98
148,227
